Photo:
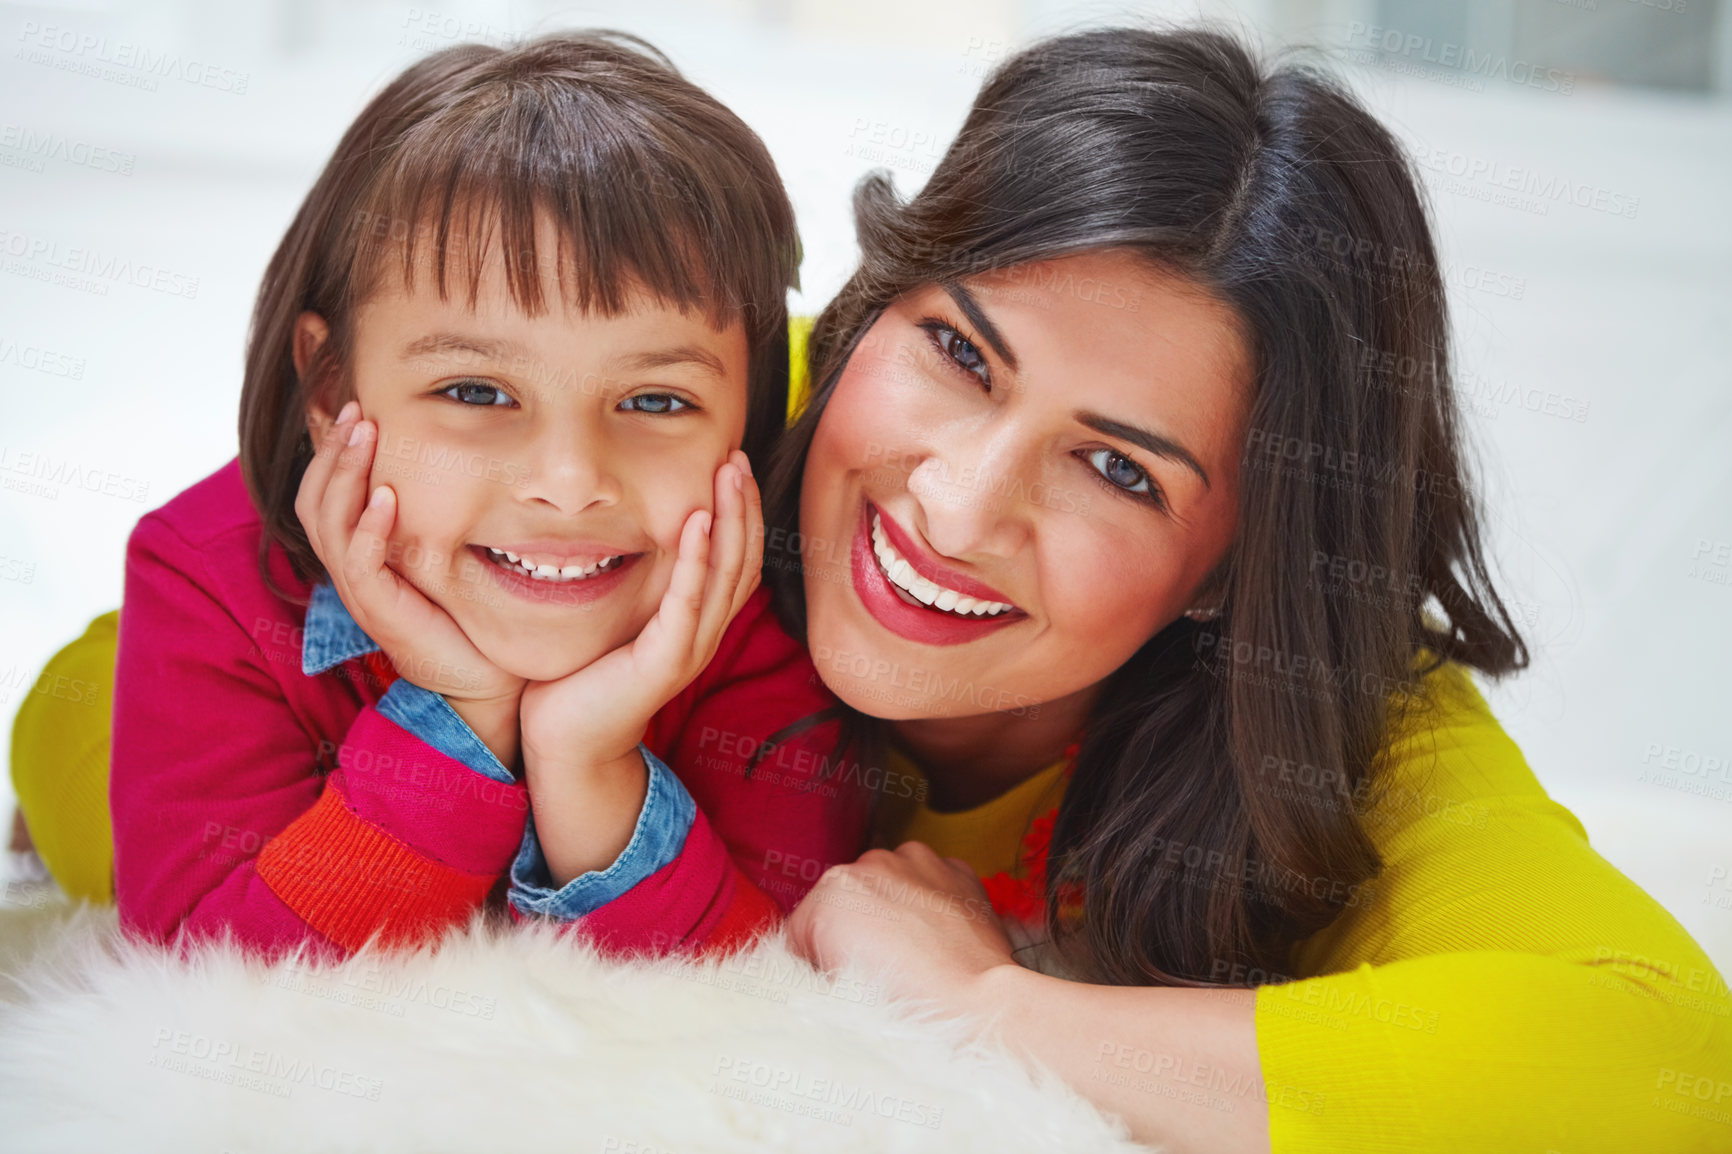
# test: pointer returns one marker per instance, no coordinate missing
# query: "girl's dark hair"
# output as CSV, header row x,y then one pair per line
x,y
1215,817
647,179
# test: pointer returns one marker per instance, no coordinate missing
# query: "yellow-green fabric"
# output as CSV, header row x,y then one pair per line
x,y
799,380
1498,987
987,836
60,762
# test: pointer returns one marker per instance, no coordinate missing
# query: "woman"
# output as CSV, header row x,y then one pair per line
x,y
1131,477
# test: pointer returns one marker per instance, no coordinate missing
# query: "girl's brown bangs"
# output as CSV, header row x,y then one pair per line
x,y
632,211
452,219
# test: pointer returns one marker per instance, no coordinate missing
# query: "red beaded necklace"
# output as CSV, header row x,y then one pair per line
x,y
1024,898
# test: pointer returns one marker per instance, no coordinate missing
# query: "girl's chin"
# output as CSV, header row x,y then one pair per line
x,y
539,659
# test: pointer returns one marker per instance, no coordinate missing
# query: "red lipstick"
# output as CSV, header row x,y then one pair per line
x,y
917,622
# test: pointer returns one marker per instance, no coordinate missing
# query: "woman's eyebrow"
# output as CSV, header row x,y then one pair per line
x,y
1155,443
977,317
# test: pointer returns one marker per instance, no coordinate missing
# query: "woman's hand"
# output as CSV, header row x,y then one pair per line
x,y
919,922
351,535
580,733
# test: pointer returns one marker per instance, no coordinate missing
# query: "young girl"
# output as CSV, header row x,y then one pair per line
x,y
499,374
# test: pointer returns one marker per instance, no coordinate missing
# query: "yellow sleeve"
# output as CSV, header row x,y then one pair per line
x,y
1500,986
60,762
799,380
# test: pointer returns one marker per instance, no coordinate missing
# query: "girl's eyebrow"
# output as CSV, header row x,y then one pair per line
x,y
507,351
977,317
677,355
492,350
1153,442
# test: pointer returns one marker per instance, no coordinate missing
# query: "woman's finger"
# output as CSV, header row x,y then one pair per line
x,y
964,869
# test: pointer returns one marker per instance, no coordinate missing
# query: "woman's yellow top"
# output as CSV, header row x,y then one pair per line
x,y
1498,987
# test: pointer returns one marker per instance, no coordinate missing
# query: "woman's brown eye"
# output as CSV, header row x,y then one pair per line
x,y
963,352
959,349
1124,474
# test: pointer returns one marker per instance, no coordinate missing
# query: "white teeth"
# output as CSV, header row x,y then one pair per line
x,y
926,592
553,573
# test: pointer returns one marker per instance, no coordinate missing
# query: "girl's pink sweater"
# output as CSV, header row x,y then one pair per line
x,y
290,807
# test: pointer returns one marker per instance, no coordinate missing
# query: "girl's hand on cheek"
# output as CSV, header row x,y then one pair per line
x,y
580,733
599,713
919,923
351,535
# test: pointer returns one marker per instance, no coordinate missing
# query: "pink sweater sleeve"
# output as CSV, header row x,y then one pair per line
x,y
222,819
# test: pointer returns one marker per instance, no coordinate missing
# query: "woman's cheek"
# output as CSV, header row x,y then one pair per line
x,y
1093,596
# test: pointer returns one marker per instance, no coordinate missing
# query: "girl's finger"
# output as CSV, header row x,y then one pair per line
x,y
368,547
675,624
727,556
346,491
327,445
753,568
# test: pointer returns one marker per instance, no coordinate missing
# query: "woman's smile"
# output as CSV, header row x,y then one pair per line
x,y
1030,487
913,596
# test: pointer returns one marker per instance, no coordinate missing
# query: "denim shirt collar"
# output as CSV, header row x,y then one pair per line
x,y
330,635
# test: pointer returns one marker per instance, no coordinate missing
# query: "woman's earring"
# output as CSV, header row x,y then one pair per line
x,y
1203,614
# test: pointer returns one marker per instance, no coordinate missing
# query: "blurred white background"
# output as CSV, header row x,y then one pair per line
x,y
1579,162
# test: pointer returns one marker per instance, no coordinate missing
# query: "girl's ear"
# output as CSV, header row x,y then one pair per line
x,y
311,332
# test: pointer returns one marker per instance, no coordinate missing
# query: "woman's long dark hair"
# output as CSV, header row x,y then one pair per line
x,y
1215,817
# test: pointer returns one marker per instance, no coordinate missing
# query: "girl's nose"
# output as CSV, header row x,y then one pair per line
x,y
570,469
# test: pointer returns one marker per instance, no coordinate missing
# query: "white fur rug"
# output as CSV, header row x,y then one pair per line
x,y
497,1040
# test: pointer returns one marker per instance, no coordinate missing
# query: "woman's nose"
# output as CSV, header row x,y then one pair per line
x,y
973,494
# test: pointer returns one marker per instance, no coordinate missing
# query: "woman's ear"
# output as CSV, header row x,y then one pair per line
x,y
1206,600
311,332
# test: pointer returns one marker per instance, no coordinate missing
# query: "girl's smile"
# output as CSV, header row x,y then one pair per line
x,y
535,578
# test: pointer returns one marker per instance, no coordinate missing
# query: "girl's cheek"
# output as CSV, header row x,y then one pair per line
x,y
674,499
426,537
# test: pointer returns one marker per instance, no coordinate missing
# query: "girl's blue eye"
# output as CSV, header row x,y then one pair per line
x,y
654,403
961,351
477,393
1121,472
